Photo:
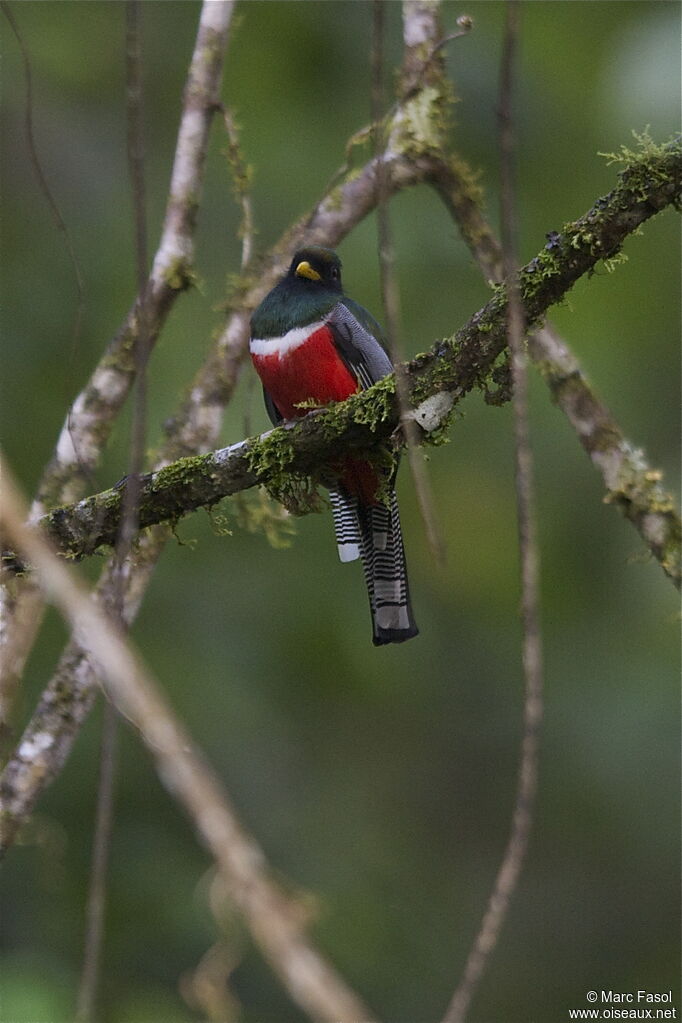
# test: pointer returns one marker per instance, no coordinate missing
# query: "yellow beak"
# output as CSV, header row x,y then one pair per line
x,y
304,269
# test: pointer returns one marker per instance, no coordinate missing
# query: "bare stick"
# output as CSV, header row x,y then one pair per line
x,y
94,919
27,619
241,180
142,346
104,818
41,176
507,878
276,923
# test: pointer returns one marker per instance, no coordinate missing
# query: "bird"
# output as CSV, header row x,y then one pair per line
x,y
311,345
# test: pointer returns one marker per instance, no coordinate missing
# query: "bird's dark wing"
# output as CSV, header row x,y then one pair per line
x,y
276,416
358,339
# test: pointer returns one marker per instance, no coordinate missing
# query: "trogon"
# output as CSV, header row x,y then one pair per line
x,y
312,345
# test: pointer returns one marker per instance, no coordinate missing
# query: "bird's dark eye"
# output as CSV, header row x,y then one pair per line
x,y
335,273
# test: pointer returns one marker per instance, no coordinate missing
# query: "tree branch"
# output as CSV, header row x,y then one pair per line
x,y
630,482
275,921
452,367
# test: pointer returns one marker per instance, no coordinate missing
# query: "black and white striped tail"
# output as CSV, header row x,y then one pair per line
x,y
373,534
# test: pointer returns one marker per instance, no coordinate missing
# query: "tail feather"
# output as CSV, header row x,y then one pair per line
x,y
374,530
346,525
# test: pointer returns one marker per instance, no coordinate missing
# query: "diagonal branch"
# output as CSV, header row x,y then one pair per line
x,y
275,921
452,367
630,482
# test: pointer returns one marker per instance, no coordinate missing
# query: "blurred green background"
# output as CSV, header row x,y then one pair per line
x,y
379,780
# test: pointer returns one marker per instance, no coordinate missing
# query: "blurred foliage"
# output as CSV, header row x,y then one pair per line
x,y
380,781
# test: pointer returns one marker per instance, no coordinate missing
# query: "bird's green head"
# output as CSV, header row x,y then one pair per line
x,y
310,289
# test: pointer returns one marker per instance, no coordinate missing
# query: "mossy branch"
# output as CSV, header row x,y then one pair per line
x,y
631,484
436,380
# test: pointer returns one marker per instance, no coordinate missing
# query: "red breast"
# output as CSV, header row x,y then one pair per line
x,y
296,369
300,371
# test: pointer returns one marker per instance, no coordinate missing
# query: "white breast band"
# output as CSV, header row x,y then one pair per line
x,y
286,343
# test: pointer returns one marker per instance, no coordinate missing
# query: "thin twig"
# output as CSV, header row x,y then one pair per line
x,y
465,23
391,296
142,347
241,180
104,819
94,919
512,862
241,175
26,620
43,183
276,922
207,987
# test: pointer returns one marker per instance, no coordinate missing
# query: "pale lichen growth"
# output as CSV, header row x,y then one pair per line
x,y
432,412
31,749
418,126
